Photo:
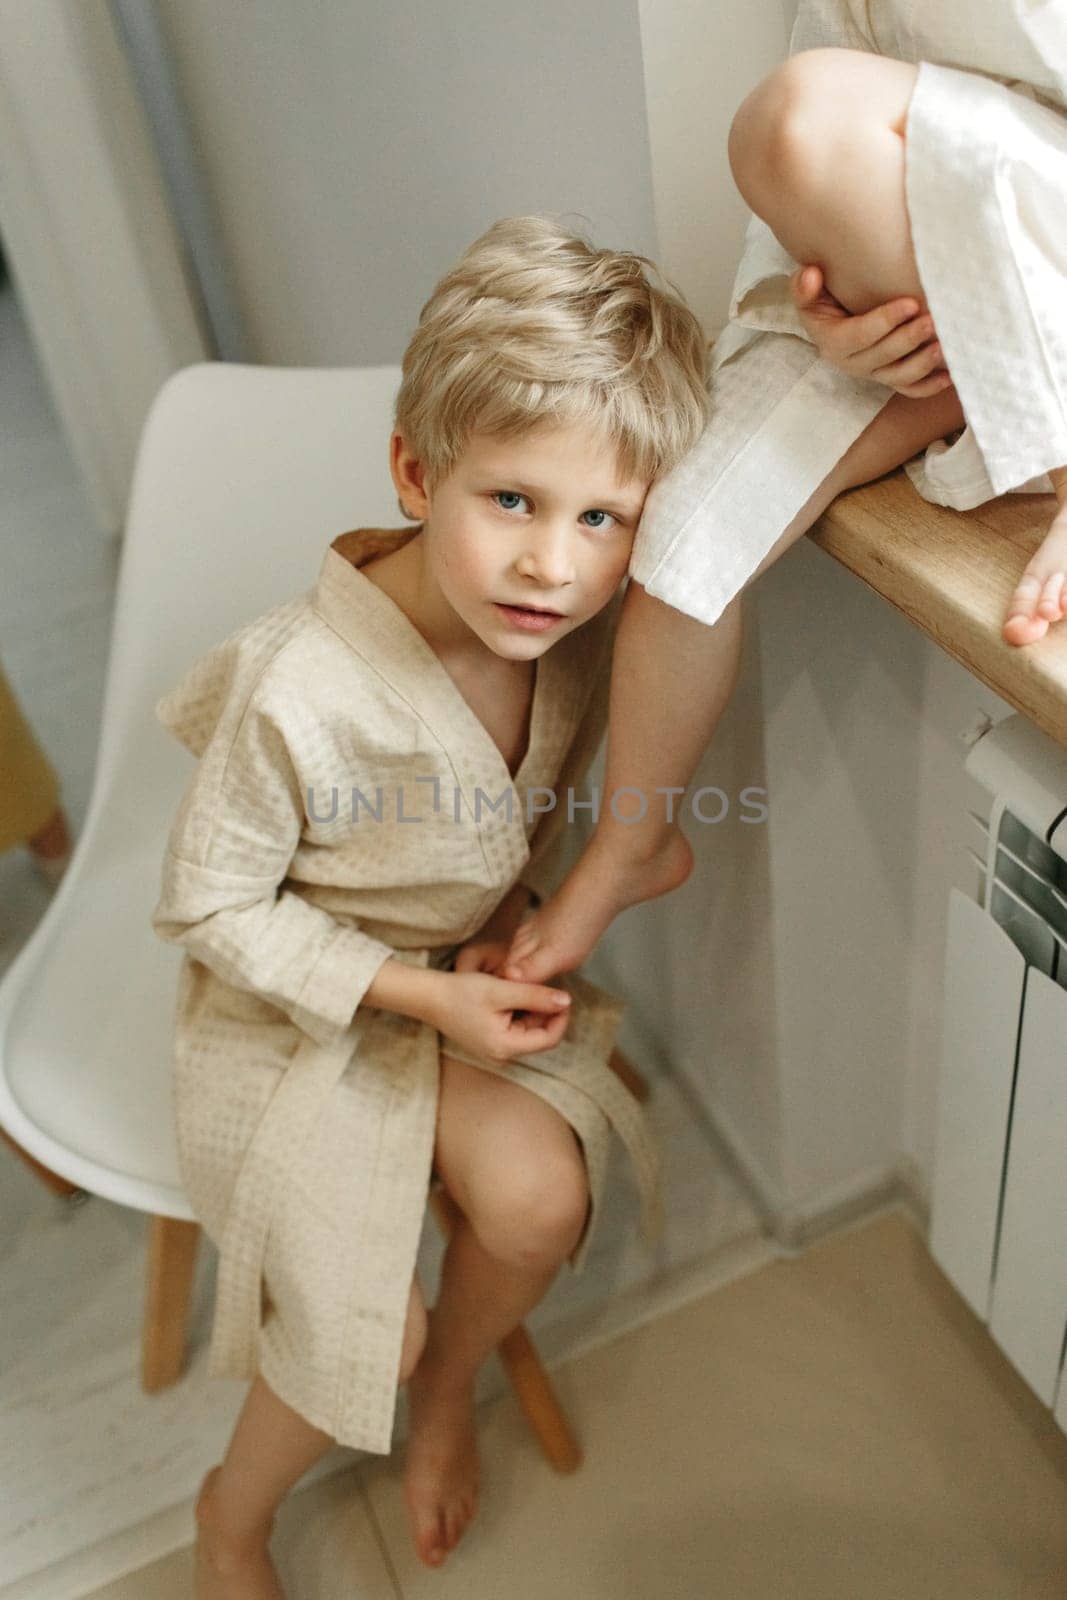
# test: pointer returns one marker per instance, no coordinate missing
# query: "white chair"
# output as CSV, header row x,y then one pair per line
x,y
244,474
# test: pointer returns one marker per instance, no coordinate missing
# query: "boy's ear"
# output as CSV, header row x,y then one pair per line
x,y
408,478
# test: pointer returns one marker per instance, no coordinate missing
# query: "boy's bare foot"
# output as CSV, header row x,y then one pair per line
x,y
441,1469
559,936
1041,596
225,1569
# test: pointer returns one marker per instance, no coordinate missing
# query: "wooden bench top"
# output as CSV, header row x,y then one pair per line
x,y
952,574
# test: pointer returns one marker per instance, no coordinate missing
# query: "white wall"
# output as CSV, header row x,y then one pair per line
x,y
352,151
799,972
701,58
862,722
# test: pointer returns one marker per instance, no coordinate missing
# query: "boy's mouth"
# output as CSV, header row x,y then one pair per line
x,y
528,616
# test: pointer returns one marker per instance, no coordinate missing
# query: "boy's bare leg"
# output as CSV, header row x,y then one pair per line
x,y
505,1250
664,659
271,1448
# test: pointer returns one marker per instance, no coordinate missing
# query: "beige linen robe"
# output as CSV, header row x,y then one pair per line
x,y
986,188
305,1121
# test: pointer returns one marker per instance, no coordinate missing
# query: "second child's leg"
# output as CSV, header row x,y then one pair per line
x,y
826,172
671,679
817,150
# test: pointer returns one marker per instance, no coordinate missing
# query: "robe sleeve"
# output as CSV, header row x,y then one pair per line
x,y
223,895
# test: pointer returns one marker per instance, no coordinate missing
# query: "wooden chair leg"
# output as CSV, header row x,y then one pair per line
x,y
624,1067
521,1362
172,1245
50,1179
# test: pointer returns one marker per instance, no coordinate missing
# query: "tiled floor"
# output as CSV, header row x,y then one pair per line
x,y
837,1426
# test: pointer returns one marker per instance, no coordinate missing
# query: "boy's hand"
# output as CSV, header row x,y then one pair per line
x,y
493,1017
894,344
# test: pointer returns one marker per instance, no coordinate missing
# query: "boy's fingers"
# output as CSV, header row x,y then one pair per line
x,y
537,1022
537,1034
533,997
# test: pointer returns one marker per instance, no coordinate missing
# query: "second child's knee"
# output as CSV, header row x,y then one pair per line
x,y
779,133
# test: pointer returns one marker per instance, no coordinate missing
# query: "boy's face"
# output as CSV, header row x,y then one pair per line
x,y
542,520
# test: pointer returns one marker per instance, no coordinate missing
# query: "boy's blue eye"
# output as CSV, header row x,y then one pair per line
x,y
502,495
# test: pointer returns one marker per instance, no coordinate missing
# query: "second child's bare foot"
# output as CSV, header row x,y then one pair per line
x,y
441,1469
226,1570
559,936
1041,595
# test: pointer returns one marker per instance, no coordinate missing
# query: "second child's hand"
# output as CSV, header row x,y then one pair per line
x,y
895,344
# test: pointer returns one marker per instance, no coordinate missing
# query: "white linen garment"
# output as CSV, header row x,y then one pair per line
x,y
986,186
306,1121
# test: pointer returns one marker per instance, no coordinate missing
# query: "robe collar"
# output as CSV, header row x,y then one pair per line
x,y
372,623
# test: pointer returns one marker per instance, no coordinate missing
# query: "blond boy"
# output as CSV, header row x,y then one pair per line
x,y
342,1030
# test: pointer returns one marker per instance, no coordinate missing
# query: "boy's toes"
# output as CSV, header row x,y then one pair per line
x,y
432,1543
536,967
524,940
517,966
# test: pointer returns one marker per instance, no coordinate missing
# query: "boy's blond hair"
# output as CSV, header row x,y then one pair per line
x,y
532,326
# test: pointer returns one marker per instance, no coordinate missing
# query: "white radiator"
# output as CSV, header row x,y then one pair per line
x,y
999,1203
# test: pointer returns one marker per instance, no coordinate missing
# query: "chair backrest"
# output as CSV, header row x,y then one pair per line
x,y
244,475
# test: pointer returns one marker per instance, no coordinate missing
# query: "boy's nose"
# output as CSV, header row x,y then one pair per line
x,y
549,559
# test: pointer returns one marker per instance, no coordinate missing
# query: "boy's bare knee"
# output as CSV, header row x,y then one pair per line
x,y
538,1216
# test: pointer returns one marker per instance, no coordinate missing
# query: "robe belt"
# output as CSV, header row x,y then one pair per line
x,y
289,1120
